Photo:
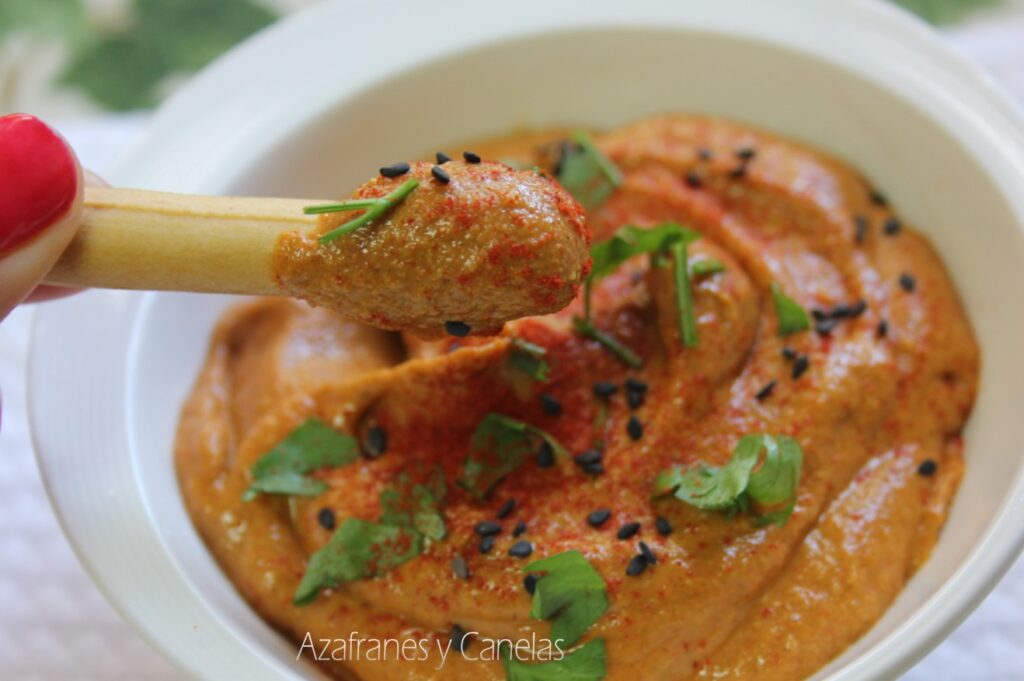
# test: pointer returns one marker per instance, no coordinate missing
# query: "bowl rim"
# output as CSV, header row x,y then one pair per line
x,y
171,155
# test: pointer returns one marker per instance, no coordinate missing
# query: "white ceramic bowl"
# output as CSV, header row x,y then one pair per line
x,y
314,104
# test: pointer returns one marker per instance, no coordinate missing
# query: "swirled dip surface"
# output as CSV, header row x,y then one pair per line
x,y
878,412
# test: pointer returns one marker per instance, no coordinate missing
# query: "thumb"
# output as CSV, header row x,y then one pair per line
x,y
40,204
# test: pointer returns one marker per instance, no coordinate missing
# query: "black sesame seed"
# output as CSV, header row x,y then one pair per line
x,y
487,528
605,389
739,172
519,528
635,385
704,154
395,169
457,329
860,224
440,175
506,509
599,517
693,180
801,365
326,518
459,638
819,314
459,567
746,153
487,543
892,226
521,549
442,158
530,583
825,327
376,442
545,455
646,552
847,311
594,468
550,404
636,390
637,564
928,468
663,526
841,311
634,400
907,282
883,329
628,530
789,353
877,198
634,428
470,157
764,392
588,457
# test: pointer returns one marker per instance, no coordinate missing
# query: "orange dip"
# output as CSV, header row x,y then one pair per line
x,y
878,413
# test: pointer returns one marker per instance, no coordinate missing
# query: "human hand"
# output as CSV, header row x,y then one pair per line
x,y
41,189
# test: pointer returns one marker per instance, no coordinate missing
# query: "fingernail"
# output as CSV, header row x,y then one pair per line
x,y
38,179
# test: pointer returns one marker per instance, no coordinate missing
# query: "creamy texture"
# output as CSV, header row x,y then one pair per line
x,y
491,245
726,599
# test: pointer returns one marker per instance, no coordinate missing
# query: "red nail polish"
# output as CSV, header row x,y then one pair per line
x,y
38,178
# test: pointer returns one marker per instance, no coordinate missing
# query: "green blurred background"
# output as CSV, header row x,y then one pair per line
x,y
73,57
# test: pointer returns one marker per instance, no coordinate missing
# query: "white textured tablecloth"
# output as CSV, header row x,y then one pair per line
x,y
55,625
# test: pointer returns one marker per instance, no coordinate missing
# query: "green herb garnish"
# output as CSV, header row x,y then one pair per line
x,y
528,358
587,173
312,445
415,506
944,11
570,593
586,663
375,208
341,206
359,549
586,328
705,266
628,241
685,316
731,487
498,446
792,317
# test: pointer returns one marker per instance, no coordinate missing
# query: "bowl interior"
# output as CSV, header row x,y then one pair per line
x,y
938,172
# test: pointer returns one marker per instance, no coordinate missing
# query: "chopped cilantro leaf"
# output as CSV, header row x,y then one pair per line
x,y
731,487
658,241
586,663
570,592
630,240
498,446
587,174
415,506
359,549
529,359
312,445
705,266
792,317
